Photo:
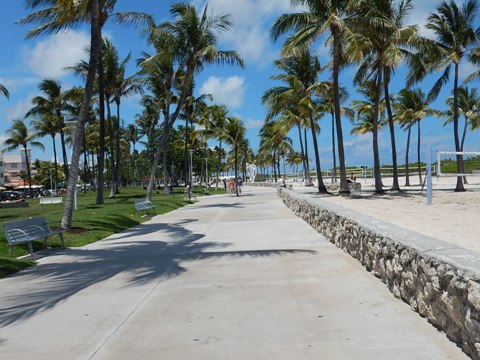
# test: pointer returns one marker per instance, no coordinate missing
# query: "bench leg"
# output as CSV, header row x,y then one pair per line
x,y
30,247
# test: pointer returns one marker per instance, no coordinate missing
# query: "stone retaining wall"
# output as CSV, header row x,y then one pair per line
x,y
438,280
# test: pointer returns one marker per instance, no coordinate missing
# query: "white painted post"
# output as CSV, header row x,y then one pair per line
x,y
429,178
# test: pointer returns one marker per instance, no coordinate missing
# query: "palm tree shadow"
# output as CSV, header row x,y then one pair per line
x,y
144,261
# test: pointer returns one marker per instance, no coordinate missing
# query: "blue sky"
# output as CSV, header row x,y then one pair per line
x,y
26,62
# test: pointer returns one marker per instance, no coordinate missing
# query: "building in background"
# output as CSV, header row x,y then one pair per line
x,y
12,166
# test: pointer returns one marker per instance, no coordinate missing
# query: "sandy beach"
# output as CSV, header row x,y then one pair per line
x,y
452,217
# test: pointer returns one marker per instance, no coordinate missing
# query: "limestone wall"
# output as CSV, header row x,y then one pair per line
x,y
438,280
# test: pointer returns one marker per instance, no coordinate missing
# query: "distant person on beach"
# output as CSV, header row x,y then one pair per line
x,y
352,178
281,182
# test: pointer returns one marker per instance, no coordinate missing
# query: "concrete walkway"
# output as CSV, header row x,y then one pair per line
x,y
225,278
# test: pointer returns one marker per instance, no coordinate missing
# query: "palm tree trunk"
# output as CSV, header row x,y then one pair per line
x,y
391,126
419,167
29,174
236,168
459,186
302,150
376,155
308,178
117,151
407,172
344,188
134,162
219,162
321,186
83,117
64,153
93,167
101,132
113,173
55,162
334,170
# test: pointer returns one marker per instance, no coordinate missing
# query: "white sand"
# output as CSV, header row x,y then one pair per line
x,y
452,217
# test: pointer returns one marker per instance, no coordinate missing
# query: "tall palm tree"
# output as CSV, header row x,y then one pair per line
x,y
233,134
322,15
46,125
274,140
326,105
52,105
385,44
132,135
190,41
456,40
369,120
469,106
215,122
123,86
283,106
52,21
18,136
411,106
301,83
56,15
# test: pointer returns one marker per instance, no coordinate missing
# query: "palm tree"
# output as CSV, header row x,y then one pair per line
x,y
281,102
411,106
469,106
52,106
301,79
275,142
46,125
215,122
385,44
233,134
191,41
55,21
56,15
326,105
122,86
19,136
456,39
322,15
132,135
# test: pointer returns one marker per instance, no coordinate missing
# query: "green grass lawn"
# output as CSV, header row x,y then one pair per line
x,y
91,222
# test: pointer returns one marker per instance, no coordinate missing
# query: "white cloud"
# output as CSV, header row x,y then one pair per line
x,y
19,109
228,91
14,83
253,124
49,57
252,19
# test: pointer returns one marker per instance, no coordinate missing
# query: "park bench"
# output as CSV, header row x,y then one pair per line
x,y
27,230
51,200
144,205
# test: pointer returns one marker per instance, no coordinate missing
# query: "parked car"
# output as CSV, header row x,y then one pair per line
x,y
10,195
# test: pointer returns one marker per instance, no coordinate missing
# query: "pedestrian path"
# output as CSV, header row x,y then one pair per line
x,y
224,278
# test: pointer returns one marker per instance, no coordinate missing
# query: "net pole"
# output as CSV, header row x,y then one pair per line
x,y
429,178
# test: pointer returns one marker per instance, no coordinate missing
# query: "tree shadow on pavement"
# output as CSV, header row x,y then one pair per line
x,y
147,254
